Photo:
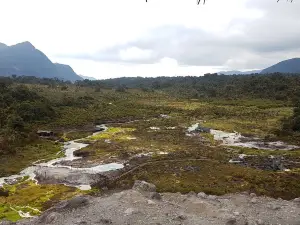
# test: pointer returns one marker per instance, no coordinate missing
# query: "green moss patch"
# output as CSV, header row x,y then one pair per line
x,y
32,198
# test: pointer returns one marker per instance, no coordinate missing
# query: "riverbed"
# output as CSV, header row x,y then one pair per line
x,y
55,172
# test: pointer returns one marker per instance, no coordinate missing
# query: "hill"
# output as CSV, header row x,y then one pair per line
x,y
286,66
236,72
88,78
25,59
66,72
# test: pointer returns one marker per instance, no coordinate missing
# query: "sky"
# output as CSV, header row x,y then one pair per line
x,y
117,38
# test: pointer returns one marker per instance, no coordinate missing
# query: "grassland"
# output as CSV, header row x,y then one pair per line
x,y
194,163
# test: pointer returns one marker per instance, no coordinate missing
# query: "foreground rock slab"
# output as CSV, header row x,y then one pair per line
x,y
133,207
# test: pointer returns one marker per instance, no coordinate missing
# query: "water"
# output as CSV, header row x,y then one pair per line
x,y
55,169
236,139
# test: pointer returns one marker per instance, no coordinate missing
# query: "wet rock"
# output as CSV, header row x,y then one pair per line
x,y
143,186
201,195
155,195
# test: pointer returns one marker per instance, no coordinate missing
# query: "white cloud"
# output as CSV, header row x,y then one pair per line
x,y
134,53
75,27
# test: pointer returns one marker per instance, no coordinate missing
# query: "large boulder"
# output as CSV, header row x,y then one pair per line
x,y
143,186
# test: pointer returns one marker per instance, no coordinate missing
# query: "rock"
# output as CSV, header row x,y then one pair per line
x,y
252,195
6,222
212,197
155,195
143,186
201,195
105,221
296,200
73,203
231,221
150,202
129,211
48,217
51,217
181,217
253,200
274,207
260,222
191,194
236,213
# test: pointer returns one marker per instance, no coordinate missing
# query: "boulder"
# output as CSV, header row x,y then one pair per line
x,y
73,203
143,186
201,195
155,195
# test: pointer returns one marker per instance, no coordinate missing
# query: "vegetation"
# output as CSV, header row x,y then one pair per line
x,y
28,197
149,117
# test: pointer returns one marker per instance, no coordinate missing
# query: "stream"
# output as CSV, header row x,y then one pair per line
x,y
54,172
237,139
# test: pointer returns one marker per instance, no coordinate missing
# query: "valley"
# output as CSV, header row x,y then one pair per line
x,y
217,146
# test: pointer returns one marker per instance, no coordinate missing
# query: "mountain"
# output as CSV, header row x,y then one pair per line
x,y
25,59
66,72
2,45
88,78
286,66
236,72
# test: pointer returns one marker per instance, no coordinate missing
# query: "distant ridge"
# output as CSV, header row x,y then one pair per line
x,y
24,59
236,72
88,78
286,66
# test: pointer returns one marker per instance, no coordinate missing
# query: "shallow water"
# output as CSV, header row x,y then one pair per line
x,y
55,169
236,139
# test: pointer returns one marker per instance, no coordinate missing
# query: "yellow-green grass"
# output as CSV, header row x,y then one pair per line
x,y
29,197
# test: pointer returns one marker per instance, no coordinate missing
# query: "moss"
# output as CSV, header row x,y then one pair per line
x,y
215,178
113,133
32,198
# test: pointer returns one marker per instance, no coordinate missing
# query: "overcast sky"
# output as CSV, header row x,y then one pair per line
x,y
114,38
